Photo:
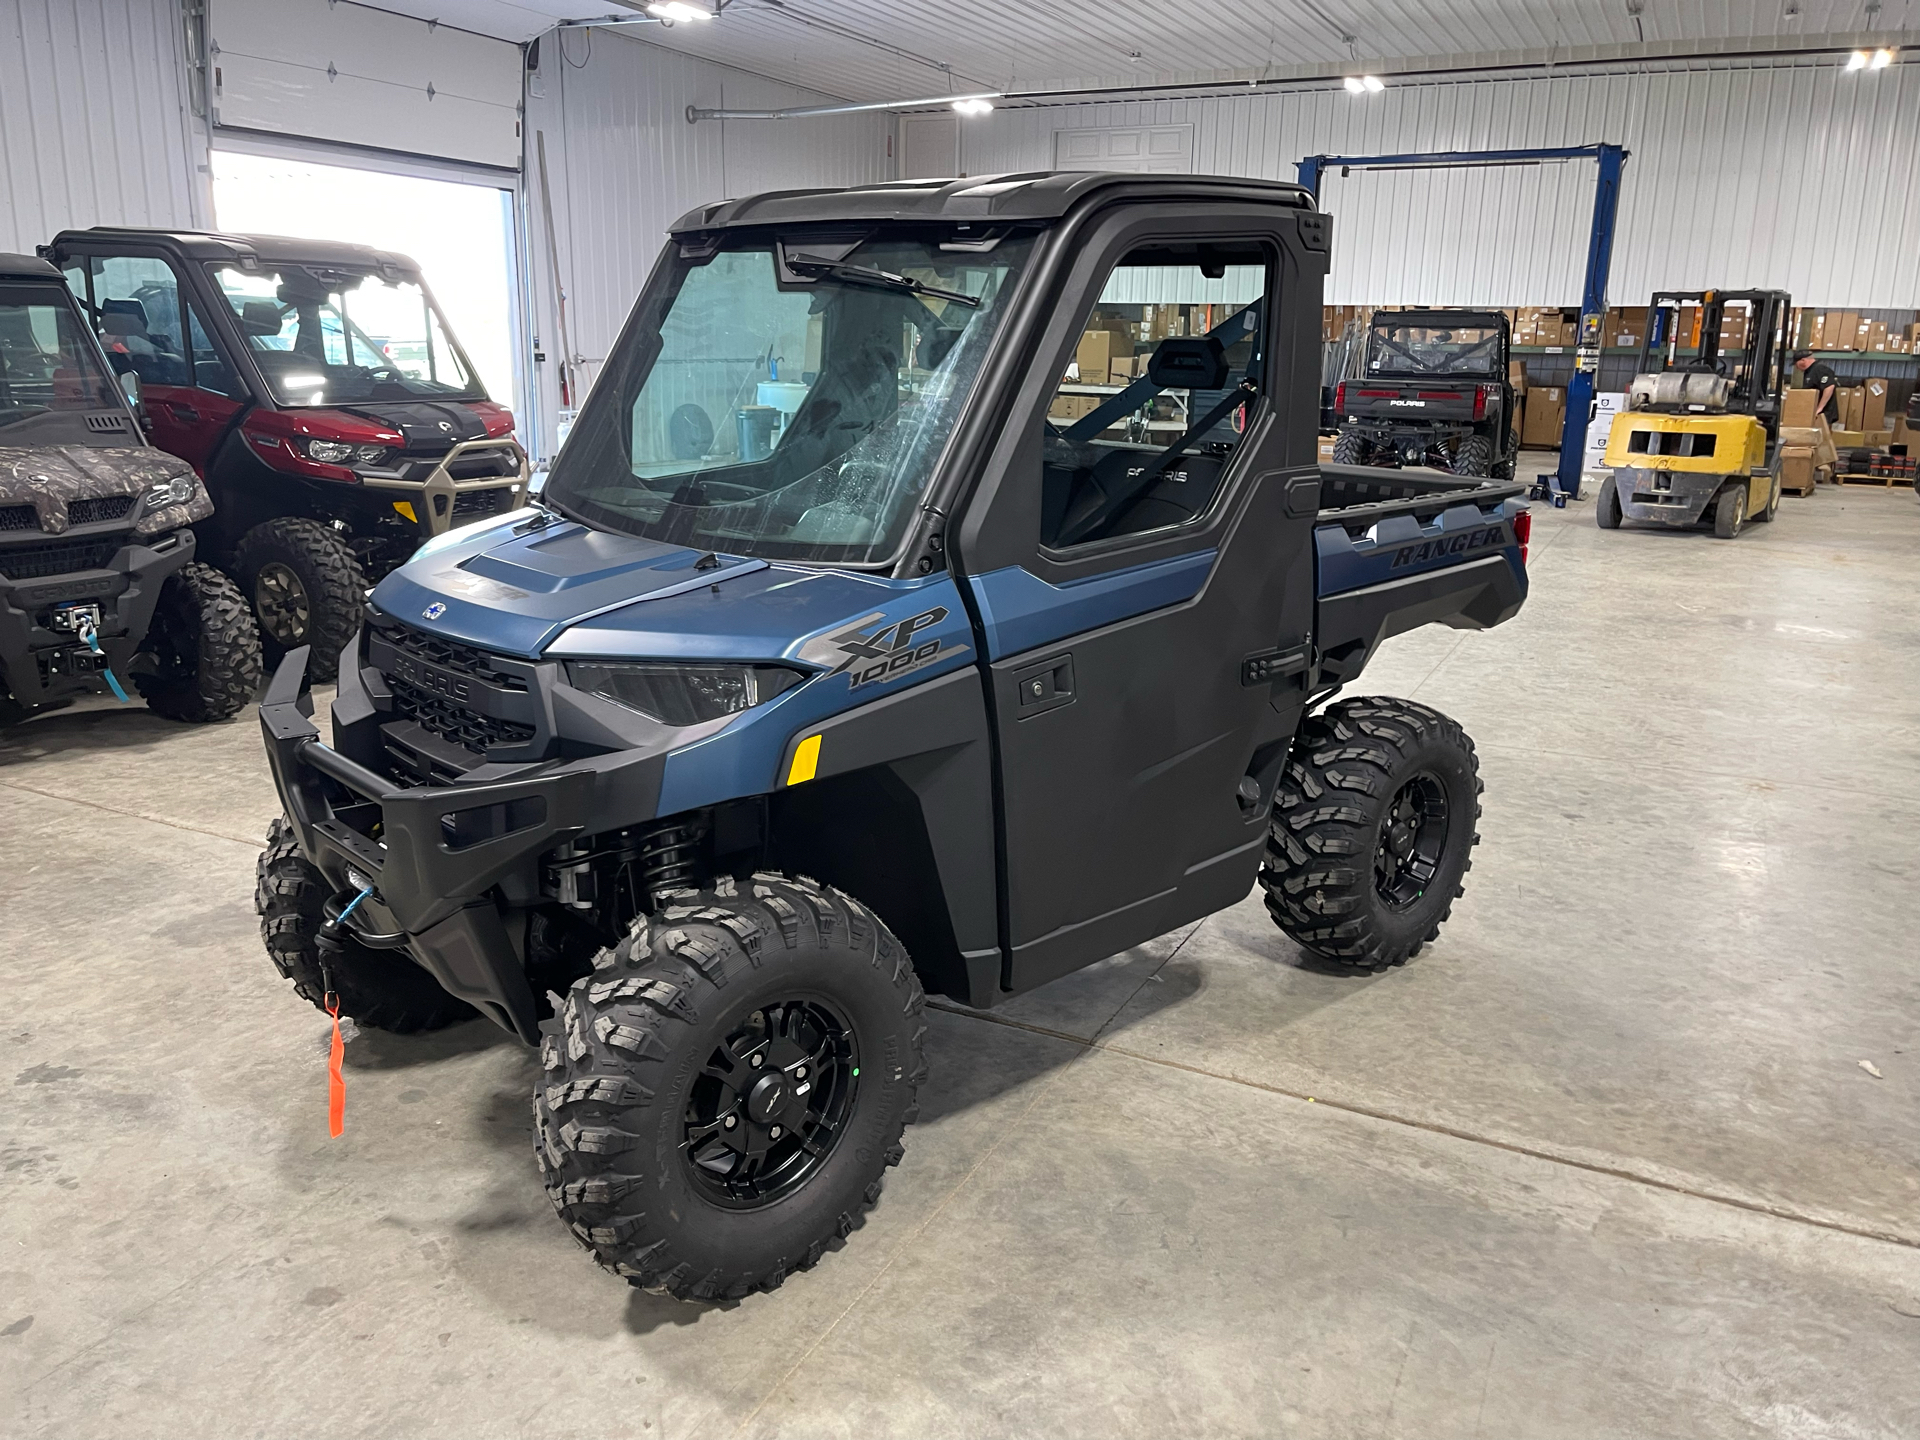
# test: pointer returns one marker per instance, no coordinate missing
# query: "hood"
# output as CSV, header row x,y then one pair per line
x,y
614,595
430,426
51,478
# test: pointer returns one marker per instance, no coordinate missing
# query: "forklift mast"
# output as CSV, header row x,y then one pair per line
x,y
1757,369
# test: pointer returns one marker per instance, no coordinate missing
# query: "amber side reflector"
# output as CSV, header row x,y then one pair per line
x,y
806,760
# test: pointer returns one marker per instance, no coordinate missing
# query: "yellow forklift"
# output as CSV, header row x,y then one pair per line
x,y
1699,441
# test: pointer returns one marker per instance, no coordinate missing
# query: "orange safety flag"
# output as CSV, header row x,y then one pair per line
x,y
336,1081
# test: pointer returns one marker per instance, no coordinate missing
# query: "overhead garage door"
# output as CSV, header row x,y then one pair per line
x,y
1158,149
358,76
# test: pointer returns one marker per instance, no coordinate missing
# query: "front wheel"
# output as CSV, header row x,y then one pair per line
x,y
723,1095
1373,831
205,648
1772,507
1730,511
306,586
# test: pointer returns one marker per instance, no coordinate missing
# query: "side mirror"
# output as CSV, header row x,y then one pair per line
x,y
130,387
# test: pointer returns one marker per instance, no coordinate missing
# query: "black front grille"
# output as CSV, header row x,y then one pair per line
x,y
451,720
452,655
472,504
104,507
57,557
19,517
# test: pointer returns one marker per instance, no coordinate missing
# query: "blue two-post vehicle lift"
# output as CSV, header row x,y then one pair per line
x,y
1593,297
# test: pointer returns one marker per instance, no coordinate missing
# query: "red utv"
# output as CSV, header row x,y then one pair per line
x,y
319,392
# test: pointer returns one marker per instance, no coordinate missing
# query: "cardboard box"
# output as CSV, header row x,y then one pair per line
x,y
1873,408
1517,376
1326,449
1797,407
1545,417
1797,467
1844,439
1877,439
1852,402
1816,438
1092,356
1073,407
1862,332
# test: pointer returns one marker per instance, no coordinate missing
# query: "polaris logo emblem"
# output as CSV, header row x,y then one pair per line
x,y
1409,404
429,677
434,611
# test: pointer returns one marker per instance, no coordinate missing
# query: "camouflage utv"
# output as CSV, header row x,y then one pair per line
x,y
98,583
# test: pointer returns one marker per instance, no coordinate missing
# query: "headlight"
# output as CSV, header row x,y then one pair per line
x,y
682,694
177,491
369,454
331,452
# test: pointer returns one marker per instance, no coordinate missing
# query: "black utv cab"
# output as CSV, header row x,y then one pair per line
x,y
1433,390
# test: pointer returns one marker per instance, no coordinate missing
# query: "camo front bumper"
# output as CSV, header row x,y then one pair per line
x,y
433,855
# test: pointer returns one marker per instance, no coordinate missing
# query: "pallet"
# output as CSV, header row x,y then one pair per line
x,y
1789,490
1889,481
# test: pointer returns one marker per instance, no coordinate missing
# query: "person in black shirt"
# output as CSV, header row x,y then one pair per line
x,y
1816,374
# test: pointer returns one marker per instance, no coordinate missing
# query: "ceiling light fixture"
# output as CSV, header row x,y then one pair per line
x,y
974,105
1881,59
1355,86
677,10
1364,84
1858,60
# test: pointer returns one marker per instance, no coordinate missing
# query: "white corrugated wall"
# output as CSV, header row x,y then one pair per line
x,y
1800,177
624,164
94,126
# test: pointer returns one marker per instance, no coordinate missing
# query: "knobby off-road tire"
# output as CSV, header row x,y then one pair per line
x,y
1351,447
383,989
306,588
648,1056
1606,509
1373,831
206,646
1473,456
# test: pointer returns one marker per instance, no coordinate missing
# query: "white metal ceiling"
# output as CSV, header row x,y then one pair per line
x,y
890,49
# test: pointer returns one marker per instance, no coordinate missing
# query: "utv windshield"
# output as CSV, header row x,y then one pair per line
x,y
1426,349
788,399
52,389
332,337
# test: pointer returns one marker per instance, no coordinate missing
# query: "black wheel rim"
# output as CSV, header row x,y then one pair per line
x,y
1413,837
771,1103
281,601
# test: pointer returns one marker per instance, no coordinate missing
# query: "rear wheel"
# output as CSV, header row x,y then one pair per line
x,y
723,1096
1730,510
380,988
1473,456
1373,831
1606,509
205,648
306,587
1352,447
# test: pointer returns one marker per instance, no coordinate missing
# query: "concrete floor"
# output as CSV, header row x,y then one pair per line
x,y
1604,1161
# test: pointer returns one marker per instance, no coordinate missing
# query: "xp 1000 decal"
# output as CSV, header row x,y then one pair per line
x,y
870,652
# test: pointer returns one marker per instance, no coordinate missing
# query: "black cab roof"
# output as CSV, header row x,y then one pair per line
x,y
1027,195
214,246
25,267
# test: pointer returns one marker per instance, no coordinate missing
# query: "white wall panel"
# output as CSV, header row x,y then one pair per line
x,y
625,164
360,76
94,128
1802,177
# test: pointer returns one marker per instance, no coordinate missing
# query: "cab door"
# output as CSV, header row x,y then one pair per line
x,y
1139,557
152,328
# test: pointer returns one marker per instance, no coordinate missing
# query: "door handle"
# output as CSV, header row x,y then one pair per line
x,y
184,412
1044,686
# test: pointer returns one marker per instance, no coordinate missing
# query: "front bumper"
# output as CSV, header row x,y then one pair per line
x,y
1666,497
434,854
40,664
442,499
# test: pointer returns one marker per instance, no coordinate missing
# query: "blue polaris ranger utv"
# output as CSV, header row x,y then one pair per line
x,y
938,592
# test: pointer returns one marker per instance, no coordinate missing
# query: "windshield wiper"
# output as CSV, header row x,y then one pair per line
x,y
873,275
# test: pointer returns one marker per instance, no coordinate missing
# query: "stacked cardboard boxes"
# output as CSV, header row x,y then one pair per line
x,y
1807,456
1546,417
